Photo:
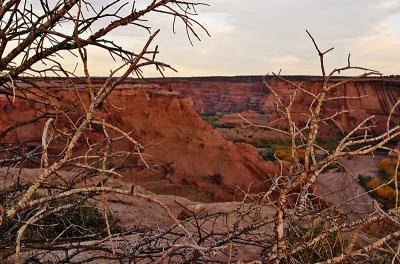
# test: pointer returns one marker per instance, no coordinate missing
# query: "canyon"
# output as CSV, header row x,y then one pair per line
x,y
187,156
180,149
370,96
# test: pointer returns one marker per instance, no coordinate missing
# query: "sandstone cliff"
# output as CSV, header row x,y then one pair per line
x,y
180,146
237,94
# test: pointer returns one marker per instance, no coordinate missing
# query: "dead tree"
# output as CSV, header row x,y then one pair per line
x,y
35,35
38,215
307,230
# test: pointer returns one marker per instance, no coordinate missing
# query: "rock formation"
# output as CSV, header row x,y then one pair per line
x,y
180,146
189,150
237,94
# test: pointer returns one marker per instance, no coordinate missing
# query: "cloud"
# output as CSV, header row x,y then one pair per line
x,y
259,36
218,23
288,63
267,35
380,51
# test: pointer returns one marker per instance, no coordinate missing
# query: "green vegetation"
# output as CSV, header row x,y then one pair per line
x,y
79,221
330,246
225,125
268,154
336,167
264,142
387,169
211,117
209,113
328,143
273,147
334,245
82,219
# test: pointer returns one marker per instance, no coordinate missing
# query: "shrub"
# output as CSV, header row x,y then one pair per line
x,y
386,192
301,154
332,245
268,154
387,168
283,153
225,125
261,143
208,113
83,220
328,143
363,180
239,140
374,183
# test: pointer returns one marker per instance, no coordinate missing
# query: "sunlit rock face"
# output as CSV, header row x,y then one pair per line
x,y
179,146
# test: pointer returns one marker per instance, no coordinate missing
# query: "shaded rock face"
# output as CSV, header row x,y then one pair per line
x,y
236,94
220,96
182,147
369,97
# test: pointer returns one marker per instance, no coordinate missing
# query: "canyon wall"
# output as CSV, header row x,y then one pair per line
x,y
180,147
241,93
235,94
370,96
185,149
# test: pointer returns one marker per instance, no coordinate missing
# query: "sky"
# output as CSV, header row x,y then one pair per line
x,y
256,37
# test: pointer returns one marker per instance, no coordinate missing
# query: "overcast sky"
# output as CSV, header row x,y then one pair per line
x,y
250,37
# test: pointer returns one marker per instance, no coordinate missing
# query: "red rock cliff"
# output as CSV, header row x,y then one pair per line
x,y
189,150
181,146
236,94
